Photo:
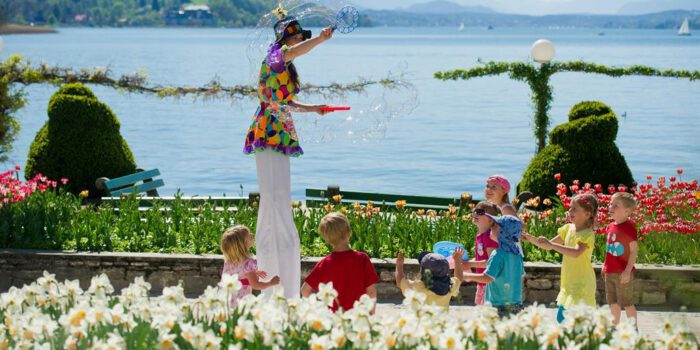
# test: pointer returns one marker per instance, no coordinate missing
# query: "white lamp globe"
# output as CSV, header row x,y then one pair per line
x,y
542,51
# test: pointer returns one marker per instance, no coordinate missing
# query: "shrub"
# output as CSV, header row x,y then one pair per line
x,y
588,108
582,149
80,141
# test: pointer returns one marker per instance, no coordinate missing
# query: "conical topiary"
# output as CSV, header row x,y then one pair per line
x,y
80,141
582,149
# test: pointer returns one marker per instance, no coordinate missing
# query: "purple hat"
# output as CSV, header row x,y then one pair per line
x,y
509,235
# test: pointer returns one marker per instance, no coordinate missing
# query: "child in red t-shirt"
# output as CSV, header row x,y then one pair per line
x,y
620,256
350,271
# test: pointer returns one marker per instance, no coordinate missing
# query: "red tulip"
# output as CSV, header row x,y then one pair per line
x,y
557,176
598,188
611,189
679,171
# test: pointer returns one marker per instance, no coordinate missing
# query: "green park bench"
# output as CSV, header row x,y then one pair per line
x,y
319,197
143,181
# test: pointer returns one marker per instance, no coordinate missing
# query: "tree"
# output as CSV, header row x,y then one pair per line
x,y
538,80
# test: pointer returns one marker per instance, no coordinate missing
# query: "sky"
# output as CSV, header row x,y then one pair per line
x,y
536,7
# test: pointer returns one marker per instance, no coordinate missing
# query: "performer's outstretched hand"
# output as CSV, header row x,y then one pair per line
x,y
326,33
319,109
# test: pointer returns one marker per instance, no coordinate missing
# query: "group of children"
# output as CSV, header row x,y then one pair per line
x,y
498,267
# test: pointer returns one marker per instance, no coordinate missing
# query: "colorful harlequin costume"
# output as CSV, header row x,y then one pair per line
x,y
273,139
272,125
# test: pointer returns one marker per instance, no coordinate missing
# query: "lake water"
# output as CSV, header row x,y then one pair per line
x,y
459,133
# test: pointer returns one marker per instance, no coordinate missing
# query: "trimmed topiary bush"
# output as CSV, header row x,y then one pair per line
x,y
583,149
588,108
80,141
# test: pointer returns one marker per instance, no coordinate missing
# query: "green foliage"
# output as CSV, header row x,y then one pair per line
x,y
129,12
56,220
10,102
588,108
80,141
16,71
586,133
538,80
583,149
75,90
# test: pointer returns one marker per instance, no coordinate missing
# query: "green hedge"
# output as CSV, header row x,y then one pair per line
x,y
80,141
586,133
582,149
588,108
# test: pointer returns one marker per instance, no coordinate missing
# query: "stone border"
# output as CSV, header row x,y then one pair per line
x,y
662,286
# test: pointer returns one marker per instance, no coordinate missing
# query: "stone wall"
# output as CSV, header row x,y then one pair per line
x,y
661,286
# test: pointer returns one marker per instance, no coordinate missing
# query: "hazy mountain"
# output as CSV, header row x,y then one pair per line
x,y
651,6
661,20
445,7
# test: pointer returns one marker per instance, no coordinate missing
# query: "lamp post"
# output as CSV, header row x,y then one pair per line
x,y
542,51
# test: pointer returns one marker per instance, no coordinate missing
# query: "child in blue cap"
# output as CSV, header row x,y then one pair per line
x,y
435,280
504,269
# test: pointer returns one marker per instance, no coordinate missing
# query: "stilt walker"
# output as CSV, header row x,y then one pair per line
x,y
273,139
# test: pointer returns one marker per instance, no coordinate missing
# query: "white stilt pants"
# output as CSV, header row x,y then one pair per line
x,y
277,239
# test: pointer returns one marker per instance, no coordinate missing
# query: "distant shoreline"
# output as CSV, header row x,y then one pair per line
x,y
22,29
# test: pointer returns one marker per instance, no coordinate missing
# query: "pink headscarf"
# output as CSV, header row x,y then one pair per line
x,y
499,180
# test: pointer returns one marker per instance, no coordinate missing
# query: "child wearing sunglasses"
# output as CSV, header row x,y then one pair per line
x,y
483,244
504,268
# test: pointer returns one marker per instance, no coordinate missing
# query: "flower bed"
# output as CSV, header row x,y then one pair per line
x,y
49,218
49,314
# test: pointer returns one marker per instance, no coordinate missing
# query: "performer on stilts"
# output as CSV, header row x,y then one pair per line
x,y
273,140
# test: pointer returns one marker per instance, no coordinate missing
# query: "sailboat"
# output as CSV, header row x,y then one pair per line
x,y
685,28
461,27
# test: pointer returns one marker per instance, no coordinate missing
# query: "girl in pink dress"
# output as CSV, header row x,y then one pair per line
x,y
483,245
235,246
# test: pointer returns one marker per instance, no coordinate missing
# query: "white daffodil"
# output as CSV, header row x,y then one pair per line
x,y
360,336
12,300
174,294
237,346
338,337
166,341
100,286
624,336
320,342
326,293
71,290
451,339
71,343
414,300
244,330
230,283
47,281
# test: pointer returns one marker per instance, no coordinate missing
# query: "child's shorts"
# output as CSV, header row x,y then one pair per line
x,y
618,293
480,294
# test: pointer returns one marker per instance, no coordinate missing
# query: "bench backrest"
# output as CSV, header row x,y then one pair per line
x,y
316,197
138,182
